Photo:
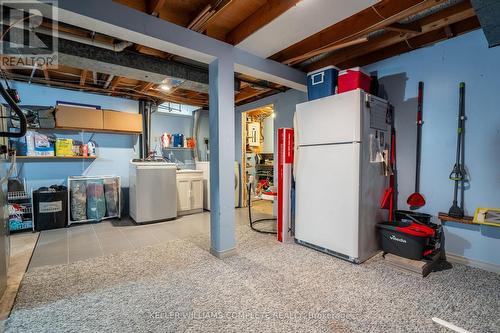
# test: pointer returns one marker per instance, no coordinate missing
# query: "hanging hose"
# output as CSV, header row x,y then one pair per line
x,y
249,188
18,112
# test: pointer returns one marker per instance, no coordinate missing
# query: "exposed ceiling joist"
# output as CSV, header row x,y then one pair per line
x,y
67,85
438,20
265,14
114,83
331,48
179,99
83,78
413,43
46,74
409,28
146,87
377,17
246,93
207,14
154,6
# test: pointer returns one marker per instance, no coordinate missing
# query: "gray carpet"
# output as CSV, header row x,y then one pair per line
x,y
267,287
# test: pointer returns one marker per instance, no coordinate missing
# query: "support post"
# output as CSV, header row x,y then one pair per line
x,y
222,135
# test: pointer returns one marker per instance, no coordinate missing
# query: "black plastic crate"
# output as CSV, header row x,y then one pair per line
x,y
50,209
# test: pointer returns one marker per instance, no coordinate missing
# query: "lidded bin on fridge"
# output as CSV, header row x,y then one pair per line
x,y
353,78
322,82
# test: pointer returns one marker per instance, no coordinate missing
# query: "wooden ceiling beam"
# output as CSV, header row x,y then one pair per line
x,y
409,28
438,20
46,73
146,86
413,43
154,6
248,92
73,86
83,78
178,99
265,14
114,83
376,17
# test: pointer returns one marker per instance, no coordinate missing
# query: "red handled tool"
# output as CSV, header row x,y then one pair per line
x,y
416,199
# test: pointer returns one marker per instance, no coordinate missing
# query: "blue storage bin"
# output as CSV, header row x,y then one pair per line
x,y
178,140
322,82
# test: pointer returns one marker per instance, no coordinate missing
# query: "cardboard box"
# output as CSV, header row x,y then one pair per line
x,y
78,117
122,121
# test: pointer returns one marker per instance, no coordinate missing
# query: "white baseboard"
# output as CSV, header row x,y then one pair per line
x,y
472,262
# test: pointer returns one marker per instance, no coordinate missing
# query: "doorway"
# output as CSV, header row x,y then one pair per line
x,y
257,128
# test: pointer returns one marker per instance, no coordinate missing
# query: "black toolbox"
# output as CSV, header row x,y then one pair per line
x,y
50,208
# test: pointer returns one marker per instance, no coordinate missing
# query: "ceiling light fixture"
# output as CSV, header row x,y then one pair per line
x,y
164,87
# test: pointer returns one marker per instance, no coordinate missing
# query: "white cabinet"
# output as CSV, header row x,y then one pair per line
x,y
189,192
183,195
197,193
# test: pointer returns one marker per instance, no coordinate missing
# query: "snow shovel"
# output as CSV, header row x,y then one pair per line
x,y
416,199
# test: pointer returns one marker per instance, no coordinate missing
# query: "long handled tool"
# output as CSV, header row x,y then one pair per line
x,y
416,199
459,174
389,197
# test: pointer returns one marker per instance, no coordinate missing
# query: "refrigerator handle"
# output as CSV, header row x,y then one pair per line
x,y
295,146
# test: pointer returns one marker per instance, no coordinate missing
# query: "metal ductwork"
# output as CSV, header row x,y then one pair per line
x,y
146,109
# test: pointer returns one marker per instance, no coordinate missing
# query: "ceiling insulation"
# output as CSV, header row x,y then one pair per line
x,y
488,12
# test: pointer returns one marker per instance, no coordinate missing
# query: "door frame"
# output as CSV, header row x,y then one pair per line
x,y
243,187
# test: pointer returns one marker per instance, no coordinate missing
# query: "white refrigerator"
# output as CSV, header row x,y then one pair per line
x,y
338,186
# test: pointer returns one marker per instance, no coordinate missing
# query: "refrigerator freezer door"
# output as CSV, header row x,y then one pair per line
x,y
333,119
327,198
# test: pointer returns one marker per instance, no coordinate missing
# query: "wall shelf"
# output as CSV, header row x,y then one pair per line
x,y
89,130
53,158
177,148
464,220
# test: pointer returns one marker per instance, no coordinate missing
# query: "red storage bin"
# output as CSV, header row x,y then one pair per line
x,y
353,78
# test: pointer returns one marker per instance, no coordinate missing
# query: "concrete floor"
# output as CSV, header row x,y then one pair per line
x,y
80,242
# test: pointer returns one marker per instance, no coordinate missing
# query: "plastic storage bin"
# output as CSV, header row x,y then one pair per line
x,y
408,240
353,78
322,82
50,208
410,216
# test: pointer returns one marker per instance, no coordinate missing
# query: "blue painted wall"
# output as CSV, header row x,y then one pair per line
x,y
442,66
284,108
114,150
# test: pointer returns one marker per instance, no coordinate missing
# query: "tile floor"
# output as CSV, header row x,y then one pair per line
x,y
21,249
80,242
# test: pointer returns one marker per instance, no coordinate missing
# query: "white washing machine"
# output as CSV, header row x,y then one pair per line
x,y
205,167
153,191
